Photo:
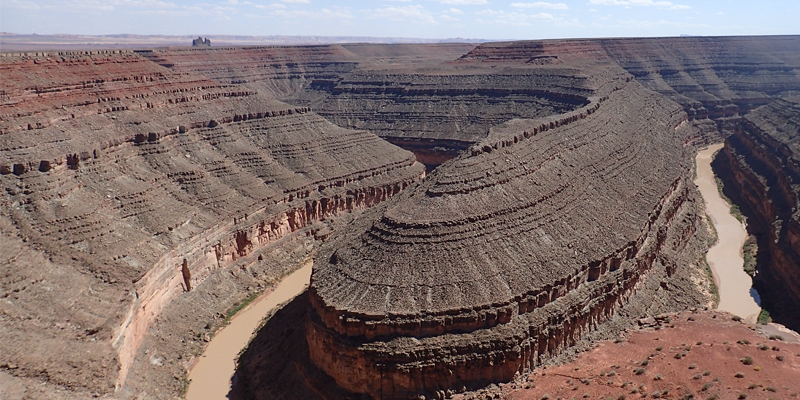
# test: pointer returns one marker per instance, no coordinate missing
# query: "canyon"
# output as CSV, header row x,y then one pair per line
x,y
541,197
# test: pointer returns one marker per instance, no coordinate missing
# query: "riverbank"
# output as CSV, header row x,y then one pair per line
x,y
725,257
210,378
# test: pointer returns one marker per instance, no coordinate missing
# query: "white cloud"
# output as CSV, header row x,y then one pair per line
x,y
24,5
275,6
296,1
541,4
462,2
323,14
413,12
449,18
646,3
455,11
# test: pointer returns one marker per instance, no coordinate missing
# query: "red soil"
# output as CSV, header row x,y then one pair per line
x,y
695,355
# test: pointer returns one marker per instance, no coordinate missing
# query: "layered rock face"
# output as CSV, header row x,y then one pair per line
x,y
760,167
510,253
126,184
440,110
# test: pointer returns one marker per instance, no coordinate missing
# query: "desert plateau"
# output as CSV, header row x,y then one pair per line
x,y
508,219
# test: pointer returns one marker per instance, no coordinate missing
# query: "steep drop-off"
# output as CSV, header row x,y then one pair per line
x,y
126,184
512,252
760,168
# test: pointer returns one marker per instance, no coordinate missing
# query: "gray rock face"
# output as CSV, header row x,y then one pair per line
x,y
507,254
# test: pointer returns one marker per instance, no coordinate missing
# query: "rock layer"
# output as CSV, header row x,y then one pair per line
x,y
116,171
760,168
510,253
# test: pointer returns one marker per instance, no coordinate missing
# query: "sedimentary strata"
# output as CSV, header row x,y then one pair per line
x,y
760,168
510,253
118,172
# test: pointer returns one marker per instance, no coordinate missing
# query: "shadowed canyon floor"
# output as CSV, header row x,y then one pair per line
x,y
147,195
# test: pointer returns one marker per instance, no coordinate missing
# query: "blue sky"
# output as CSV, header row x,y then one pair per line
x,y
485,19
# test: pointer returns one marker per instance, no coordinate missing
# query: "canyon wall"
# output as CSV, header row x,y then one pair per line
x,y
760,169
510,253
116,171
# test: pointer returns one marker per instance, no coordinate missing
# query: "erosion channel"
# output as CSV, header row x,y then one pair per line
x,y
211,377
736,294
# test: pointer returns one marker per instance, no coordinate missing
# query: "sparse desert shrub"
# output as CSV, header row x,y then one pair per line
x,y
706,387
742,396
656,394
575,387
739,375
712,397
545,396
659,348
644,363
678,356
747,360
763,347
622,397
698,376
752,386
776,337
771,389
692,366
585,381
743,341
706,373
657,377
612,373
756,368
737,318
779,358
699,343
639,371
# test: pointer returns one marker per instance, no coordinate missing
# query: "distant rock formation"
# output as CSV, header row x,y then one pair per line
x,y
200,42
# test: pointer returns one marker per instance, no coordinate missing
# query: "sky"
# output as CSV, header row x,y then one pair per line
x,y
435,19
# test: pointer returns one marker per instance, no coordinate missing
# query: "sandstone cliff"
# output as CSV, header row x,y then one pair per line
x,y
510,253
760,168
115,169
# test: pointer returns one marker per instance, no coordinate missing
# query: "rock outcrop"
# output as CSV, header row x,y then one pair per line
x,y
125,182
510,253
760,168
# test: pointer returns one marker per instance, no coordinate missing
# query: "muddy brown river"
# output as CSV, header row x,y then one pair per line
x,y
725,257
210,378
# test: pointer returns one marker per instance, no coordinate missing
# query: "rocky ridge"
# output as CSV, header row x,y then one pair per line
x,y
553,258
117,172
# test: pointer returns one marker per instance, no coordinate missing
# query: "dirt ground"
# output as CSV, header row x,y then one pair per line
x,y
692,355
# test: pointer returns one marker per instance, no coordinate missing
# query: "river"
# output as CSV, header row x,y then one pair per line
x,y
210,378
725,257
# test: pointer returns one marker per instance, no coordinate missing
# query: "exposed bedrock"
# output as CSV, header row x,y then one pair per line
x,y
510,253
715,78
126,183
760,168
